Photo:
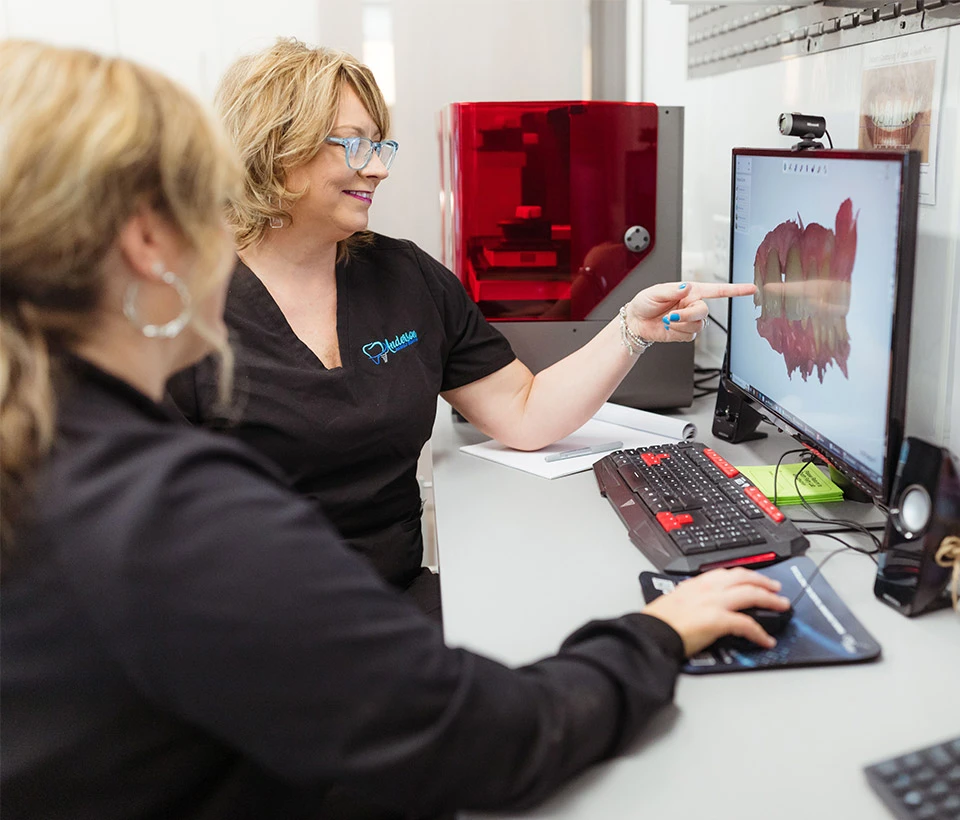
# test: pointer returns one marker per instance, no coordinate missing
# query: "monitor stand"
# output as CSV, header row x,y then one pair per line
x,y
850,491
734,420
856,506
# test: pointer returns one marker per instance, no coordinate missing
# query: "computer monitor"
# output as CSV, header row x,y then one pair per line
x,y
828,237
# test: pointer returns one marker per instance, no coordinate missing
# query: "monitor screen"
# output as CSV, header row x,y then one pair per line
x,y
828,238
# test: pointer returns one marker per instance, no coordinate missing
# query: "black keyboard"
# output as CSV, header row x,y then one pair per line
x,y
688,509
921,785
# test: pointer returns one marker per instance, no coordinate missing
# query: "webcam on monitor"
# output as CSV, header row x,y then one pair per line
x,y
809,127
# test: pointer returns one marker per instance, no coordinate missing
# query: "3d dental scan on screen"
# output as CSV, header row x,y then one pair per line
x,y
828,238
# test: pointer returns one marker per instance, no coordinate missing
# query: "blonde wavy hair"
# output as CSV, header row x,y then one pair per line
x,y
278,106
85,140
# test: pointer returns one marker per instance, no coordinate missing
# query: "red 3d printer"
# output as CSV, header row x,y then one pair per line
x,y
554,214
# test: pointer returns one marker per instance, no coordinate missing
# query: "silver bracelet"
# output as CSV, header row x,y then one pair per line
x,y
633,343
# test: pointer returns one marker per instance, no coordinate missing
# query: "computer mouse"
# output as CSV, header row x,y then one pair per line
x,y
772,621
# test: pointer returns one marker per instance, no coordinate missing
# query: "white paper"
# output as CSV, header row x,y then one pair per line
x,y
613,422
645,420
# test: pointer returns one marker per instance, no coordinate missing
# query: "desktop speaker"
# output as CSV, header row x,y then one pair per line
x,y
921,545
734,420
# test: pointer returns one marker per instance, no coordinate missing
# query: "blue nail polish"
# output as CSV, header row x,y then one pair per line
x,y
683,285
674,317
666,322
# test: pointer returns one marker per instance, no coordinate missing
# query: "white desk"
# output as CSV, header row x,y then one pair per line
x,y
524,561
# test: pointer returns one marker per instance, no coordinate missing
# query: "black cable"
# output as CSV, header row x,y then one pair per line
x,y
816,571
716,323
825,131
776,470
702,383
871,527
846,546
852,524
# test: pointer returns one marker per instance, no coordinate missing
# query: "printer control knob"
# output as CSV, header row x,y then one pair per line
x,y
637,238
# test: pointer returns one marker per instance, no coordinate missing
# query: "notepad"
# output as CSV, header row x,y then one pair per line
x,y
815,486
613,422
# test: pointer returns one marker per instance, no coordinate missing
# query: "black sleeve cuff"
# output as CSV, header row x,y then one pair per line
x,y
665,636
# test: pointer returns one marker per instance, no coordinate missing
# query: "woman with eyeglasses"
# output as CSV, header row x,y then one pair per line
x,y
182,635
346,338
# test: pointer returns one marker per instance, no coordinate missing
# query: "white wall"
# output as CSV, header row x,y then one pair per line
x,y
192,41
741,108
445,51
458,52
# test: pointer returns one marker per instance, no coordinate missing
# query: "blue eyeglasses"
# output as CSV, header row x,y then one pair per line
x,y
359,150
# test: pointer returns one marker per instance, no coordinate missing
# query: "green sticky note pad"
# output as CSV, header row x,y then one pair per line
x,y
814,485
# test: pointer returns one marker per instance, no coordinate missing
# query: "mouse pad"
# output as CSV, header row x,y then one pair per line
x,y
822,630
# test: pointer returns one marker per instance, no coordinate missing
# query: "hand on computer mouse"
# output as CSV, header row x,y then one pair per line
x,y
773,621
707,607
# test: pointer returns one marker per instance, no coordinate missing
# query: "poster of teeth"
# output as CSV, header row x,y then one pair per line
x,y
900,99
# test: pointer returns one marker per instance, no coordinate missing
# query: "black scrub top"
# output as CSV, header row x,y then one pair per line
x,y
350,437
184,637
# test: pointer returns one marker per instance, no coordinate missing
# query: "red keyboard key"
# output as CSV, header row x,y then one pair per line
x,y
763,503
725,466
668,521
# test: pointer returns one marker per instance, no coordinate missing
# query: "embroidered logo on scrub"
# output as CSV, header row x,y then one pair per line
x,y
378,351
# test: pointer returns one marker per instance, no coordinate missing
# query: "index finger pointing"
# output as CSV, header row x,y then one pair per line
x,y
711,290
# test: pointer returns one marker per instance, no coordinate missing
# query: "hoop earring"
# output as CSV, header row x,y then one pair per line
x,y
171,329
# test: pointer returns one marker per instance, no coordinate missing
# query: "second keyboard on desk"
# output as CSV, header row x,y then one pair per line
x,y
687,509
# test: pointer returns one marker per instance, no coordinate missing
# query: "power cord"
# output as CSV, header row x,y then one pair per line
x,y
718,324
776,470
816,571
846,525
853,525
838,528
702,377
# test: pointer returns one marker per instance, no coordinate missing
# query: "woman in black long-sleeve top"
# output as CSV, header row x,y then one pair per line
x,y
183,636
